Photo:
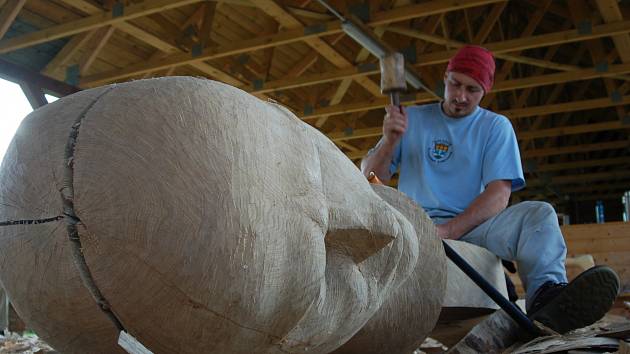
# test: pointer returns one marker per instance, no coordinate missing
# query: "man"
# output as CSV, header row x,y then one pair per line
x,y
461,162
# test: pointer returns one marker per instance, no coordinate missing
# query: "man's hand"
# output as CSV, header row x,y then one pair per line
x,y
394,124
444,231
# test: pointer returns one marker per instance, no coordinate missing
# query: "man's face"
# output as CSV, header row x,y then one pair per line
x,y
461,94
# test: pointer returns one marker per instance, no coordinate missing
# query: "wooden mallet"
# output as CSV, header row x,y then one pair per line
x,y
393,77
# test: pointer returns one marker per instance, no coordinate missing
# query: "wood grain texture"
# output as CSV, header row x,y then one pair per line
x,y
36,266
407,316
211,221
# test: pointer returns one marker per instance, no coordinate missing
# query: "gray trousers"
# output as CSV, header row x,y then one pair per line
x,y
527,233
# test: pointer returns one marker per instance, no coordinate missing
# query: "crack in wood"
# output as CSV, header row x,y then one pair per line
x,y
31,221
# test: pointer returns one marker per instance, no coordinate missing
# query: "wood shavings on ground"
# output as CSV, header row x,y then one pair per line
x,y
607,335
27,343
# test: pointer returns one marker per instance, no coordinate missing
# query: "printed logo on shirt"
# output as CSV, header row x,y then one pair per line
x,y
440,150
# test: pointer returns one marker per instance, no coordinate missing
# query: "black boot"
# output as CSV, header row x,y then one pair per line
x,y
564,307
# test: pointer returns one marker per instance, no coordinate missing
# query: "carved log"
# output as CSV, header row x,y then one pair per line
x,y
208,220
407,317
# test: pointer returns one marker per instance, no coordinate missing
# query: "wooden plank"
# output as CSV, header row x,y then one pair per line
x,y
587,232
8,14
85,24
596,245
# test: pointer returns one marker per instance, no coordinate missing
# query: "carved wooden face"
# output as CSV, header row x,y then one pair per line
x,y
209,220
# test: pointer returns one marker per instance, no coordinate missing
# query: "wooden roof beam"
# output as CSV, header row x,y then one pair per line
x,y
541,133
102,36
534,81
580,11
609,9
579,178
566,107
85,24
282,38
68,51
573,129
489,22
562,166
435,7
506,68
151,39
549,79
592,187
8,14
291,36
503,48
286,19
563,150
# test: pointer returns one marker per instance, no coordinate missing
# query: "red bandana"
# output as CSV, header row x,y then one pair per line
x,y
476,62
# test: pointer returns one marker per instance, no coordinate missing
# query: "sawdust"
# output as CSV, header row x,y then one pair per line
x,y
27,343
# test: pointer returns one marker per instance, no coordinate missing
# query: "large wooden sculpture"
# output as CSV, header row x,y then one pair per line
x,y
201,219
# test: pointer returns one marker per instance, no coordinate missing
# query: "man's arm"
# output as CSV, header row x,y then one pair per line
x,y
488,204
379,161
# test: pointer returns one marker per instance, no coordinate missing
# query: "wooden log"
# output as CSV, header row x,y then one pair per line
x,y
208,221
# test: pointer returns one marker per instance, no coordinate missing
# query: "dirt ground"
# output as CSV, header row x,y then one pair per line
x,y
27,342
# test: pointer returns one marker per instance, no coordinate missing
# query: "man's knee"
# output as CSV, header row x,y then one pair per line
x,y
535,212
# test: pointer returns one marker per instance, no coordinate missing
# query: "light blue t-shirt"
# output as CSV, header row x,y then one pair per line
x,y
445,163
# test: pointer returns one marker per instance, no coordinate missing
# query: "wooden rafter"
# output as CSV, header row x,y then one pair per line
x,y
563,166
541,133
500,49
585,177
102,36
499,87
609,9
89,23
151,39
68,51
326,50
281,38
8,14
